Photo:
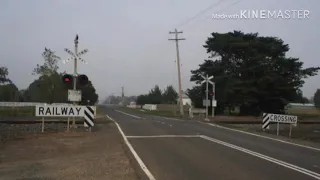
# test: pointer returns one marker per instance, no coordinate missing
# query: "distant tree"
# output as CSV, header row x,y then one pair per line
x,y
316,98
9,92
170,95
50,65
3,75
299,98
155,95
143,99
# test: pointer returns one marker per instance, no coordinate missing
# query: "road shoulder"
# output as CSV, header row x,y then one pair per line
x,y
74,155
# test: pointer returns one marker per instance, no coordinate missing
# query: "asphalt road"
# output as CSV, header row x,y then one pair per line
x,y
198,151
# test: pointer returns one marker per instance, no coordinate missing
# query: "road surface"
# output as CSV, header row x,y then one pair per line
x,y
175,149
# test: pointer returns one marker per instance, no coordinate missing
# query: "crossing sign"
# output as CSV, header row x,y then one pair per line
x,y
267,118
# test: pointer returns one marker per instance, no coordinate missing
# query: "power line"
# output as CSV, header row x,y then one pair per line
x,y
219,11
200,13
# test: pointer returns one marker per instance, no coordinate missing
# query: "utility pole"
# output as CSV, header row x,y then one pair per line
x,y
178,64
122,95
75,56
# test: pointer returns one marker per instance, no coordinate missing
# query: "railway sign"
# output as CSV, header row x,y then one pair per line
x,y
88,112
278,118
59,111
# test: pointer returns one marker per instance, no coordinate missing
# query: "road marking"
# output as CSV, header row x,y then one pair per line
x,y
165,136
128,114
136,156
265,137
244,132
270,159
170,118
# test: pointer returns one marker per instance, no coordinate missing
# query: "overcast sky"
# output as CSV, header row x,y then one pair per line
x,y
128,39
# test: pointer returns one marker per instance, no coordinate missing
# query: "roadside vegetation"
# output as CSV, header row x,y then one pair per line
x,y
47,87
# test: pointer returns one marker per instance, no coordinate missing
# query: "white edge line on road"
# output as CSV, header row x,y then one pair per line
x,y
165,136
128,114
270,159
261,136
136,156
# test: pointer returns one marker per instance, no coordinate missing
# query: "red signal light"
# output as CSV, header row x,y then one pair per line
x,y
66,79
211,94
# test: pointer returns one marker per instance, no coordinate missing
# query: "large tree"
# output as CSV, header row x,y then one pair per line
x,y
50,65
251,72
49,86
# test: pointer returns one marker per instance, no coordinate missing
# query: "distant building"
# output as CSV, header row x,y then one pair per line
x,y
185,99
300,105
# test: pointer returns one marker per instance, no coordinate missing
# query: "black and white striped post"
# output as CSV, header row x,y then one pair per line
x,y
89,117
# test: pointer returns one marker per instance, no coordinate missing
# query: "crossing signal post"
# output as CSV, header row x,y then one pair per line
x,y
76,56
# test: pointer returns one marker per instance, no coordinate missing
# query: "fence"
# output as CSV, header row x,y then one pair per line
x,y
28,104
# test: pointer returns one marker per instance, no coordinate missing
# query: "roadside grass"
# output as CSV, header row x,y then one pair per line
x,y
17,111
303,113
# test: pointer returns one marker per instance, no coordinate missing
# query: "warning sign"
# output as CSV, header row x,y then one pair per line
x,y
60,111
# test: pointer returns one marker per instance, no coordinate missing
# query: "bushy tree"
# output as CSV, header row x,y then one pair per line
x,y
170,95
251,72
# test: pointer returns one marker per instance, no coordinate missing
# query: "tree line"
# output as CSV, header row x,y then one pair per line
x,y
157,96
250,72
48,86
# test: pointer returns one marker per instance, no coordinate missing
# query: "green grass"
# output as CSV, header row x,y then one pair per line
x,y
17,111
303,113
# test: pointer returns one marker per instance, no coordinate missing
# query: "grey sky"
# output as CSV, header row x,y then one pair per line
x,y
128,39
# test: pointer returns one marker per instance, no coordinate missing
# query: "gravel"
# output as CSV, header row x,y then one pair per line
x,y
17,131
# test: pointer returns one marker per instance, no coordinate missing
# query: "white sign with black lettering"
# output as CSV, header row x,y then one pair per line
x,y
281,118
278,118
60,111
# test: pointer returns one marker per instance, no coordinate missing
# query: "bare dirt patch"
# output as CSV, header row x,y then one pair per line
x,y
78,155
